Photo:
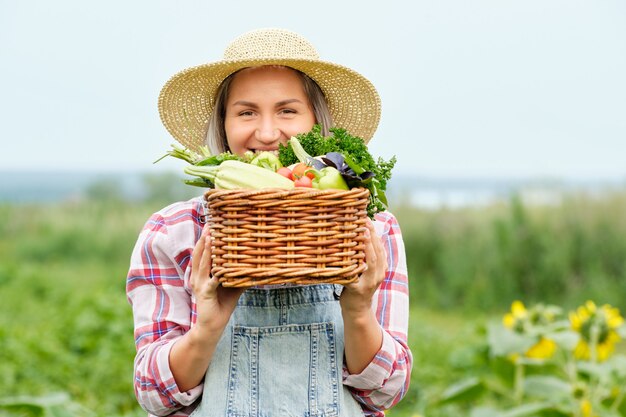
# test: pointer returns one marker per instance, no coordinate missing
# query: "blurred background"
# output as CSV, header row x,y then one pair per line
x,y
507,119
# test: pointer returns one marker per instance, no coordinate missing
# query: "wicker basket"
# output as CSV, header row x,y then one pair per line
x,y
276,236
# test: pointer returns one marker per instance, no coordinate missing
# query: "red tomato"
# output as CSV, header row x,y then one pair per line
x,y
303,182
299,169
285,172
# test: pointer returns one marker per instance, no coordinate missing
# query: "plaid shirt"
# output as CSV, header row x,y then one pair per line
x,y
158,291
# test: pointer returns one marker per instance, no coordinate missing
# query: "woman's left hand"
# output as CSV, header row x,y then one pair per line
x,y
362,333
356,298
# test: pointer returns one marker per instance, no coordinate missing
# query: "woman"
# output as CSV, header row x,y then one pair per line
x,y
206,350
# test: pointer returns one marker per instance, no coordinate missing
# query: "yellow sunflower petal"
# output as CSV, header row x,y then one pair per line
x,y
581,351
583,313
575,321
612,337
514,357
591,306
613,318
544,349
604,351
615,322
585,408
508,320
518,310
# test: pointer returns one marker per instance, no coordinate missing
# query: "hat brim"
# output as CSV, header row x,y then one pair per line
x,y
187,99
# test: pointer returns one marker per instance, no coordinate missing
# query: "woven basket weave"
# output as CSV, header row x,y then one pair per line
x,y
276,236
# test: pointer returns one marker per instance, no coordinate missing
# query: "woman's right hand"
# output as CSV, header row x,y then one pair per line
x,y
214,303
191,354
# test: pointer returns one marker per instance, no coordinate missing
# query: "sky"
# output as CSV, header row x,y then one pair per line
x,y
472,89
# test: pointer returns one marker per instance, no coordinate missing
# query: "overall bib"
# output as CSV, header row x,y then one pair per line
x,y
280,355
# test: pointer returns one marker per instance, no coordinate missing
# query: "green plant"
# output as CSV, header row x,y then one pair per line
x,y
540,362
481,258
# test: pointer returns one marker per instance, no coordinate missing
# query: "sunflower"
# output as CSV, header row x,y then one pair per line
x,y
586,409
521,320
516,319
544,349
597,327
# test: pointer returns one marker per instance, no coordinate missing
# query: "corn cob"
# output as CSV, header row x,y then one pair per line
x,y
232,175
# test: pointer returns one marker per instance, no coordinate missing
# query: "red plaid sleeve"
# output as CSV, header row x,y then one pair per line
x,y
157,290
385,381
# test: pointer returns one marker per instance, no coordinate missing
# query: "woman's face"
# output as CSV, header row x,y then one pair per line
x,y
265,107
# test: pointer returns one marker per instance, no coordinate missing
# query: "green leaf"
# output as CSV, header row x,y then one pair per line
x,y
382,197
495,384
527,410
71,409
198,182
355,167
503,342
22,410
41,401
485,412
60,411
535,409
599,410
464,390
51,405
217,159
618,365
598,370
566,339
546,387
31,406
532,361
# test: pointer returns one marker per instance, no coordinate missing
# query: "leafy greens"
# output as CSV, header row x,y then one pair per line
x,y
356,156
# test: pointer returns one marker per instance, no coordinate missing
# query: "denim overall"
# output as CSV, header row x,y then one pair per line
x,y
280,355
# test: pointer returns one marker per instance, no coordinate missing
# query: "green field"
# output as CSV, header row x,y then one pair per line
x,y
66,327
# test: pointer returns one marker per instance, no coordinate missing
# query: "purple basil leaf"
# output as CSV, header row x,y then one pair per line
x,y
367,180
329,163
337,158
354,180
317,164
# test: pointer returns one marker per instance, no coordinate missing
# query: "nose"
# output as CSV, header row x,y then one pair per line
x,y
267,132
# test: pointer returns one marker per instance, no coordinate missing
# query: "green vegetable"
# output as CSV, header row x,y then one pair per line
x,y
202,158
267,160
232,175
294,146
356,155
329,178
313,143
219,158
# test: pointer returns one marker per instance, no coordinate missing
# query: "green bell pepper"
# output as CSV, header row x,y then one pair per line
x,y
328,178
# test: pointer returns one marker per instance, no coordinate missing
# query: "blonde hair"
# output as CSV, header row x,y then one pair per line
x,y
216,133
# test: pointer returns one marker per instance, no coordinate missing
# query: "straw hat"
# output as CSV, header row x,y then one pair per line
x,y
187,99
